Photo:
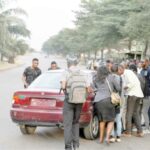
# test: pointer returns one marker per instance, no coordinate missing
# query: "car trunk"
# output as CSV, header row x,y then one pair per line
x,y
37,99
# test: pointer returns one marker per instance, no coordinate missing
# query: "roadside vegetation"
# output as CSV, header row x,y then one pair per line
x,y
13,32
105,25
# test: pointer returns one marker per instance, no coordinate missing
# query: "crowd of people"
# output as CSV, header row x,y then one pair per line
x,y
131,79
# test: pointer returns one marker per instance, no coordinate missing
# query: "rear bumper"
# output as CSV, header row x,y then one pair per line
x,y
39,123
39,117
50,118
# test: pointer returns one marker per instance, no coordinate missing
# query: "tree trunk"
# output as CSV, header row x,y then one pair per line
x,y
85,58
95,55
102,55
89,55
130,45
2,56
146,48
11,60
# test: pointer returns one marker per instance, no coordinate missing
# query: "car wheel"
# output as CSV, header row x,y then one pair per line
x,y
27,129
91,131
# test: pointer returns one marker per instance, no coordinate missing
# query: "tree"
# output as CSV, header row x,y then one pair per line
x,y
138,24
105,24
11,29
67,41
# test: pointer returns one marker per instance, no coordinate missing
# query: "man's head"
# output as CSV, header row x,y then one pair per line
x,y
109,64
72,62
35,62
53,65
114,68
146,63
140,64
125,64
121,69
133,68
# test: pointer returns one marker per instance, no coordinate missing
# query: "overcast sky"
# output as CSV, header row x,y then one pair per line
x,y
47,17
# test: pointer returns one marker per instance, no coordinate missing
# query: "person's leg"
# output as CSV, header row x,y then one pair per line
x,y
68,120
146,105
123,111
75,127
130,110
102,131
136,116
140,109
114,132
110,126
118,125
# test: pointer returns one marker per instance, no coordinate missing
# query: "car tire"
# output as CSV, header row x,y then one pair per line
x,y
27,129
91,131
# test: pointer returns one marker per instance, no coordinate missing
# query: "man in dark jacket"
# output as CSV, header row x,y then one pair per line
x,y
146,102
31,73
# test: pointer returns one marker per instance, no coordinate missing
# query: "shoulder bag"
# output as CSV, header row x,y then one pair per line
x,y
115,97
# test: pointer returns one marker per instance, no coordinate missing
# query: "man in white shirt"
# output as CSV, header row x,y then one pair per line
x,y
134,92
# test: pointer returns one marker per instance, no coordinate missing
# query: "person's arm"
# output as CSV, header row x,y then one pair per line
x,y
24,81
116,83
24,78
40,72
131,79
90,84
63,84
64,81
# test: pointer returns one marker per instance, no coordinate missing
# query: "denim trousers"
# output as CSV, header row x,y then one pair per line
x,y
71,114
117,131
123,111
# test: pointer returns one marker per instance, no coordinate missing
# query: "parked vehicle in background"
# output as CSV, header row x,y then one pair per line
x,y
41,104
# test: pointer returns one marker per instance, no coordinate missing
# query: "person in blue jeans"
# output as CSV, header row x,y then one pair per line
x,y
116,132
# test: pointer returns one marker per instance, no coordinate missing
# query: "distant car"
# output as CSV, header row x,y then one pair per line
x,y
41,104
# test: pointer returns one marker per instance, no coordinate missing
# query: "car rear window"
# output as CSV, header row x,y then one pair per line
x,y
49,80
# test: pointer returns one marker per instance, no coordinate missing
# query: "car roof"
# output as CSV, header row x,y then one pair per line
x,y
62,70
86,71
55,71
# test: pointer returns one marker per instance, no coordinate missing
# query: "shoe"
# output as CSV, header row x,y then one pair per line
x,y
76,148
140,134
126,134
112,140
146,131
134,129
118,139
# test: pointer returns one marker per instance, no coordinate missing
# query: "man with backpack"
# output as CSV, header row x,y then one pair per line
x,y
75,86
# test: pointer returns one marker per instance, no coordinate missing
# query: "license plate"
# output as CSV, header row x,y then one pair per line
x,y
43,103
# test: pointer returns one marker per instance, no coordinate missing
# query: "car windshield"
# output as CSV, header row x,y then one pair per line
x,y
48,80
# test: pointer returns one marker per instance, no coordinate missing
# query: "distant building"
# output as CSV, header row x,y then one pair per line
x,y
133,55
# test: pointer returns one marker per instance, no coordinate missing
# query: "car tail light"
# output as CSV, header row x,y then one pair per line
x,y
21,99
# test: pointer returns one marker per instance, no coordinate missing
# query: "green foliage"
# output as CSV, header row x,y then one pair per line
x,y
104,24
66,41
12,31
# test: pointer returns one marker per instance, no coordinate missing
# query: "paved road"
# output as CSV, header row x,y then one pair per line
x,y
44,138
